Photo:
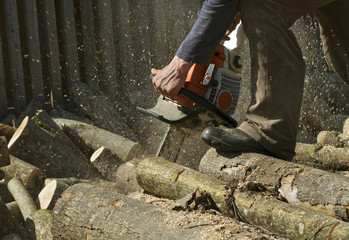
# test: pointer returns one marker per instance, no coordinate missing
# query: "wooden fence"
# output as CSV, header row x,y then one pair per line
x,y
108,45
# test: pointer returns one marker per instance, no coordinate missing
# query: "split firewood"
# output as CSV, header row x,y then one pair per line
x,y
106,163
52,155
94,137
7,131
4,155
30,175
170,180
300,185
96,212
323,157
22,197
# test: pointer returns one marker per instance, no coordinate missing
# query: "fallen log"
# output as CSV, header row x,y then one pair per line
x,y
323,157
126,177
31,176
300,185
94,137
170,180
39,225
106,163
331,138
52,155
85,211
4,155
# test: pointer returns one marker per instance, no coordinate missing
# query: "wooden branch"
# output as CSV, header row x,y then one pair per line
x,y
170,180
323,157
94,137
106,163
22,197
4,155
31,176
300,185
55,157
88,210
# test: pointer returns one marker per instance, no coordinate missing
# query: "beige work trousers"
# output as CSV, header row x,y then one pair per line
x,y
277,66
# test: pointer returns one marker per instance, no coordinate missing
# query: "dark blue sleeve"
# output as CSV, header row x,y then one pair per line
x,y
214,19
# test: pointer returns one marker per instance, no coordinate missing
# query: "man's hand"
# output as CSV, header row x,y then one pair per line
x,y
171,78
233,25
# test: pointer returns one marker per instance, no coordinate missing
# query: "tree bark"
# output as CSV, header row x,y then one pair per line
x,y
170,180
300,185
94,137
22,197
30,175
106,163
87,211
4,155
323,157
55,157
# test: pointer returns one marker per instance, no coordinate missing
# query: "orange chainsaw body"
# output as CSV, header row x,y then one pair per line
x,y
195,78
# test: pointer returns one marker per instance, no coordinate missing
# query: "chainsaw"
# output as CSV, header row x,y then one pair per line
x,y
210,93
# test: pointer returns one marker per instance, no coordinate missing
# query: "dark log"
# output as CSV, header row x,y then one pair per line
x,y
94,137
85,210
298,184
30,175
4,155
323,157
170,180
5,194
15,212
3,95
106,163
54,157
22,197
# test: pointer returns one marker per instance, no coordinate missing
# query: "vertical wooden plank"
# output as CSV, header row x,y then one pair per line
x,y
70,50
3,95
33,45
52,52
15,54
89,44
106,55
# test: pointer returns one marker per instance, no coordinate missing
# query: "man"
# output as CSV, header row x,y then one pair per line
x,y
277,66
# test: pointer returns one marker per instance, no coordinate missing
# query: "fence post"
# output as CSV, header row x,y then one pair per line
x,y
15,55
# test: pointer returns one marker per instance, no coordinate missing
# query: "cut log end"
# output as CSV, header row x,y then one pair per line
x,y
18,132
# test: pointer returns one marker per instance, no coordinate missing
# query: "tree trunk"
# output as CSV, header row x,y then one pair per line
x,y
300,185
323,157
94,137
55,157
4,155
170,180
87,211
30,175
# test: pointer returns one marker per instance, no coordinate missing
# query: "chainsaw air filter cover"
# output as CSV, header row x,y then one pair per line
x,y
226,90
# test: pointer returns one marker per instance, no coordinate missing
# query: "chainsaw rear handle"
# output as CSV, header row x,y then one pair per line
x,y
209,106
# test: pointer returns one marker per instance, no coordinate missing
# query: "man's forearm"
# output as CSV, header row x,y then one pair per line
x,y
213,21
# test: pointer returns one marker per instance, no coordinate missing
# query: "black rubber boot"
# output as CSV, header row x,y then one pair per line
x,y
231,140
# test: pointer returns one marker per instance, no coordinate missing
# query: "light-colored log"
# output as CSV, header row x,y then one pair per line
x,y
50,193
53,156
22,197
87,210
31,176
300,185
95,137
39,225
170,180
331,138
323,157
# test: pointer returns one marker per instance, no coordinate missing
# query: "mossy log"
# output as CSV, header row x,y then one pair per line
x,y
323,157
94,137
300,185
170,180
54,157
86,211
31,176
